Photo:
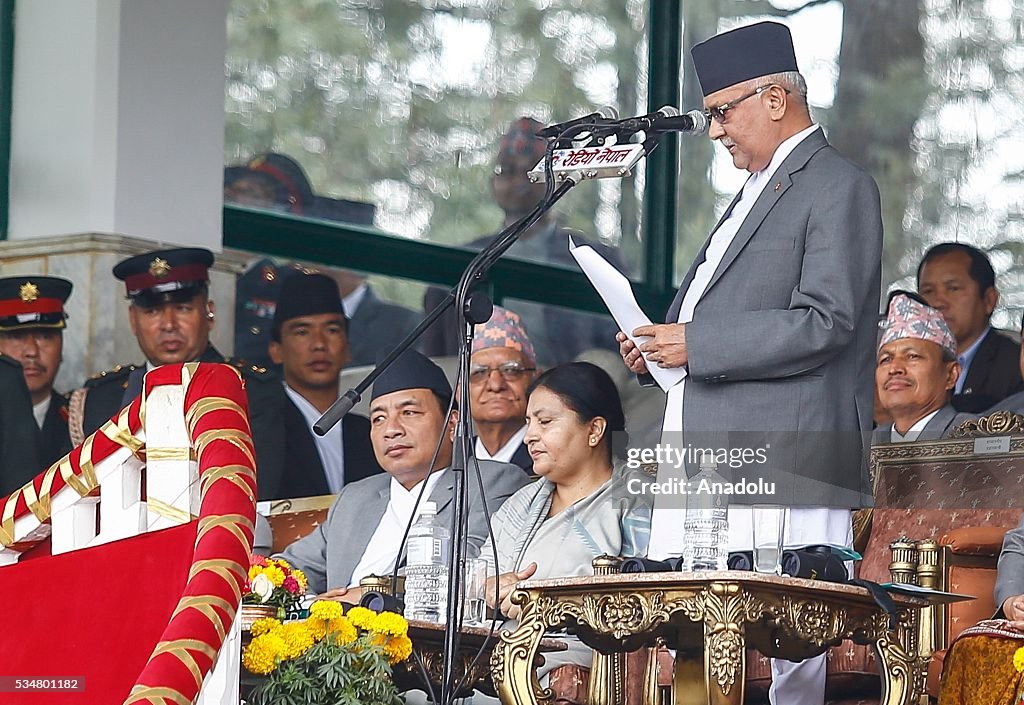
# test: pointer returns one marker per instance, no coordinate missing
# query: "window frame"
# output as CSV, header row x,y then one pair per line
x,y
375,252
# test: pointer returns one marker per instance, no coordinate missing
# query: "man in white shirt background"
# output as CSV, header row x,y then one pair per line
x,y
309,339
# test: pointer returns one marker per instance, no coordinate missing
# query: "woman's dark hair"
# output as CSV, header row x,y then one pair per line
x,y
589,392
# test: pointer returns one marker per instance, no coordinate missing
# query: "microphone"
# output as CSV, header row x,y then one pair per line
x,y
667,119
603,116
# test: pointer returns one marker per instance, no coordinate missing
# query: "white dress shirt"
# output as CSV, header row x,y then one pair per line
x,y
913,432
382,548
505,453
39,410
330,446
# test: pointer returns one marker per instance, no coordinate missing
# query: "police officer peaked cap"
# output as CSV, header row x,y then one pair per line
x,y
30,301
165,276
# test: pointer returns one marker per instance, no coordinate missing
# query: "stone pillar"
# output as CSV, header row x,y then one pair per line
x,y
118,119
117,147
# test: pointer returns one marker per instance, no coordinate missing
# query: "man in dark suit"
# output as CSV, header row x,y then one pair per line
x,y
171,315
362,534
375,326
959,281
775,321
309,341
501,369
32,322
19,449
917,368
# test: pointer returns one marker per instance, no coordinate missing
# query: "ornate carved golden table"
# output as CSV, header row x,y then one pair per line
x,y
709,618
473,672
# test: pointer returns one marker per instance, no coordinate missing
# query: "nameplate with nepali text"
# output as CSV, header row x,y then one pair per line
x,y
991,444
590,163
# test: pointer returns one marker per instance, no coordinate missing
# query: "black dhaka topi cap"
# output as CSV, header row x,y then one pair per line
x,y
742,54
412,370
305,294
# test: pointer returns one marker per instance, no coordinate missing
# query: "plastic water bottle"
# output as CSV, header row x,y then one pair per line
x,y
706,526
426,568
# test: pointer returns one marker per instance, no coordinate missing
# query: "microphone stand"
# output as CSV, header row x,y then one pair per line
x,y
472,308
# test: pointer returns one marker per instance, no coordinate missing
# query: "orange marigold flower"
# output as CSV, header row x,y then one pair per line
x,y
264,625
361,617
263,654
398,648
342,630
326,609
389,623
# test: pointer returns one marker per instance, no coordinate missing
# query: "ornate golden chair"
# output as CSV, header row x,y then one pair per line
x,y
948,505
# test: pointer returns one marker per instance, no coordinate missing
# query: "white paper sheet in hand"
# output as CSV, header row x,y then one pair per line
x,y
617,295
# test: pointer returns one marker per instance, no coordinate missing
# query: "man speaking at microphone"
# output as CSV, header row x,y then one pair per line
x,y
775,321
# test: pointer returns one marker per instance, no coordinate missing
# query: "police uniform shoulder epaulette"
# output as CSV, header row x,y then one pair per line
x,y
117,372
249,370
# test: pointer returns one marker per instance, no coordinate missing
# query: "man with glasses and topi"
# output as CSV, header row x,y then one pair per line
x,y
775,321
501,369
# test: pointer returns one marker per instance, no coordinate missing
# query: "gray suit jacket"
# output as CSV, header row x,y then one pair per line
x,y
782,343
1010,573
331,552
940,426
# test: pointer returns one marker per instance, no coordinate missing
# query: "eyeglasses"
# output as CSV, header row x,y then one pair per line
x,y
720,112
510,372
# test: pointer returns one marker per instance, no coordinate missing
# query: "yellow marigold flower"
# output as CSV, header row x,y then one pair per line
x,y
361,617
389,623
263,654
264,625
297,640
398,648
326,609
343,630
254,570
301,578
275,574
317,627
1018,659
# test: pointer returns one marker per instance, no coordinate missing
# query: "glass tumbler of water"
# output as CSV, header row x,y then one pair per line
x,y
474,606
769,522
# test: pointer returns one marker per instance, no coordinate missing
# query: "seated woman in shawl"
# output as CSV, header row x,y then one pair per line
x,y
580,508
